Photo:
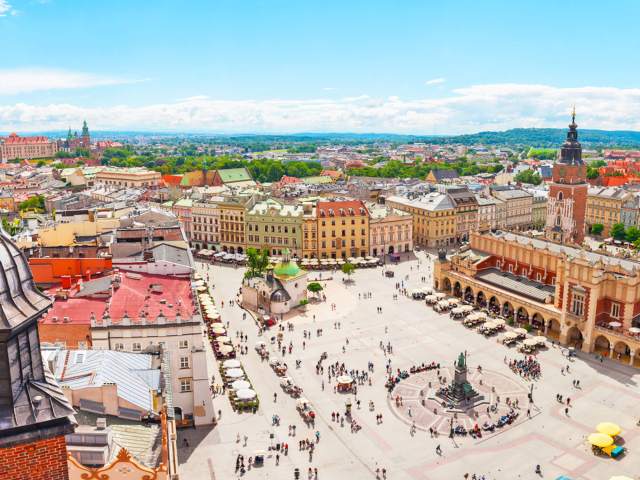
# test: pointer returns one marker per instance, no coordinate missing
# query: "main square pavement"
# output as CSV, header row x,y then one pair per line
x,y
557,441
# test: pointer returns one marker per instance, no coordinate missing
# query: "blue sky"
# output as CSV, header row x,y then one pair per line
x,y
283,66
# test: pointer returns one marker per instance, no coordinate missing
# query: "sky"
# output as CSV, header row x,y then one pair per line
x,y
276,66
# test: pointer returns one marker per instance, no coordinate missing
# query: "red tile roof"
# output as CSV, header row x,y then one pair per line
x,y
344,208
15,139
169,295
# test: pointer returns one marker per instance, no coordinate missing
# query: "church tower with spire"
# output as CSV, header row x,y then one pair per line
x,y
568,192
85,139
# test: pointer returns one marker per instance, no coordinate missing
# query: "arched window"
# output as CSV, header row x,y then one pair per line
x,y
560,196
558,221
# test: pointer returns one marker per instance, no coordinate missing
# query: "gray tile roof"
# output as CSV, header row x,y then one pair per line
x,y
513,283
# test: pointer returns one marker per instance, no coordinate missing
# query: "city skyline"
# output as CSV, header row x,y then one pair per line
x,y
259,67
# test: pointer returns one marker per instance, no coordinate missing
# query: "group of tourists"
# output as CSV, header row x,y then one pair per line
x,y
527,367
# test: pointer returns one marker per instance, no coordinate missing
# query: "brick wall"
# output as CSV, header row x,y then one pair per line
x,y
39,460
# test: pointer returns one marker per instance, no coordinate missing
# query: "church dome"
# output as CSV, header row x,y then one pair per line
x,y
288,269
280,296
20,301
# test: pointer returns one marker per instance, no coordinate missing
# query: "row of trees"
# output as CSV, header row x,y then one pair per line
x,y
397,169
262,169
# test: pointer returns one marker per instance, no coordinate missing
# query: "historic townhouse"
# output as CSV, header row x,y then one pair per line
x,y
434,218
343,229
275,226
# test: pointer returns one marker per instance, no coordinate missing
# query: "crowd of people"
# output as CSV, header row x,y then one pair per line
x,y
527,367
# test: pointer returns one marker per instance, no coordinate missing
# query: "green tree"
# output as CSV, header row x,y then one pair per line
x,y
528,176
632,234
257,262
592,172
597,228
348,269
618,231
35,203
82,152
314,287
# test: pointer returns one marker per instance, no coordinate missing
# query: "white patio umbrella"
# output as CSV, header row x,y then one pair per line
x,y
615,324
234,373
231,363
245,394
344,379
520,331
240,385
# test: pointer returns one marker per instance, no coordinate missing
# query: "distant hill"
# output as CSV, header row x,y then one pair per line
x,y
547,137
537,137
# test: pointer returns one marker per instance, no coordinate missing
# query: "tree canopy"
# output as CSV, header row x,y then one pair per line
x,y
314,287
35,204
597,228
618,231
348,268
257,262
528,176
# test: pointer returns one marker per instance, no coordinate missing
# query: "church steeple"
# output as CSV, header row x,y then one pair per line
x,y
571,151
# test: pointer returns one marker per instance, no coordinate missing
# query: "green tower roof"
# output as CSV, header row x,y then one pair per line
x,y
286,269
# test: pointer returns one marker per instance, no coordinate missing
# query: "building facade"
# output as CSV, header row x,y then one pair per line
x,y
466,211
434,218
275,226
517,208
581,298
137,177
205,226
604,207
343,229
390,230
232,222
15,147
309,230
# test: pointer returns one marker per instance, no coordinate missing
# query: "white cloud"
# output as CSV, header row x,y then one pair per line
x,y
465,110
25,80
435,81
6,8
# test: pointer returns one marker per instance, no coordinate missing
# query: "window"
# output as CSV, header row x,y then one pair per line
x,y
184,344
185,385
510,268
615,310
538,277
577,305
136,347
184,362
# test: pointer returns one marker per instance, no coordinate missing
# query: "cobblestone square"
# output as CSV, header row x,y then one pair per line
x,y
555,440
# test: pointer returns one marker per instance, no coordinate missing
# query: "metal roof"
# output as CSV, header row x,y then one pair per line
x,y
520,285
77,369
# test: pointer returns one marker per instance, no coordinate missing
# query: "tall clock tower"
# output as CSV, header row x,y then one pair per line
x,y
568,192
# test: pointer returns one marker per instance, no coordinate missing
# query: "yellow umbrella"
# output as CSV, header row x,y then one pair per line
x,y
600,440
608,428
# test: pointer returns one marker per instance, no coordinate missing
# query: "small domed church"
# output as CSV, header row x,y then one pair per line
x,y
278,291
